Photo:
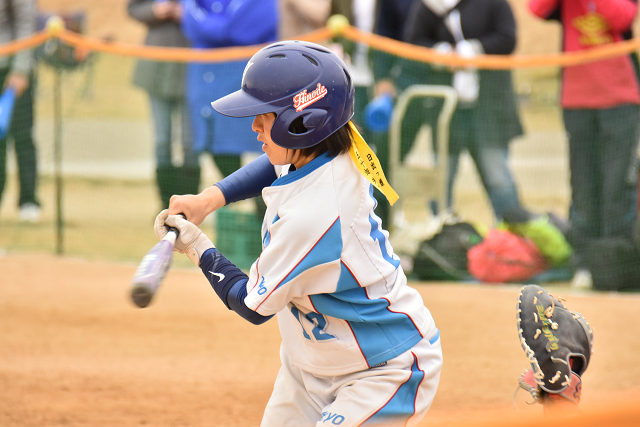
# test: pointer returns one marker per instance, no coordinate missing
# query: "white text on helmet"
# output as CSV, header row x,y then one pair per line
x,y
303,99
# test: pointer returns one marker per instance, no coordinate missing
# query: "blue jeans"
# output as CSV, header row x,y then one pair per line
x,y
603,160
493,168
162,112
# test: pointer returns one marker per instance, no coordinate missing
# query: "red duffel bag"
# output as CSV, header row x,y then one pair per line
x,y
505,257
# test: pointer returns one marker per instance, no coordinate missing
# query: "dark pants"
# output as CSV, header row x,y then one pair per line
x,y
490,157
491,160
604,173
20,132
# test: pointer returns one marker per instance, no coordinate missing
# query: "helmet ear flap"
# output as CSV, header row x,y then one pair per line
x,y
313,119
284,127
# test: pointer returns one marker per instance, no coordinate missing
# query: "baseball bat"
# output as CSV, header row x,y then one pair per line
x,y
152,269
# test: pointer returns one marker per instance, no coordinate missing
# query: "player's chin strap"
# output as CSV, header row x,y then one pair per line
x,y
369,166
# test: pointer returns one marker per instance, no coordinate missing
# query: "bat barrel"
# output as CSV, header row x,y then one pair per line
x,y
152,270
141,296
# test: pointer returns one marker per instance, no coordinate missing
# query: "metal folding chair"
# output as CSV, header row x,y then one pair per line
x,y
409,181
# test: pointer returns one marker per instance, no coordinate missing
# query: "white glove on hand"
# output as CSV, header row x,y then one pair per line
x,y
443,48
467,81
191,240
465,49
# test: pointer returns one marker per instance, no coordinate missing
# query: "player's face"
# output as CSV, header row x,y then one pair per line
x,y
262,126
277,155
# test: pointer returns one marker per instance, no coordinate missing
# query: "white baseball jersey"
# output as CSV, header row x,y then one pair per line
x,y
327,269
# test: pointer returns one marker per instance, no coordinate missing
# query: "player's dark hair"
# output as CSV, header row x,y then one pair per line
x,y
338,142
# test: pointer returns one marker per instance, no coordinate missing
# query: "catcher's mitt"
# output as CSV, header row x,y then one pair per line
x,y
558,344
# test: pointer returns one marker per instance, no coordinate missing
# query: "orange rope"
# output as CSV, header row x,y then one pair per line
x,y
177,54
394,47
424,54
22,44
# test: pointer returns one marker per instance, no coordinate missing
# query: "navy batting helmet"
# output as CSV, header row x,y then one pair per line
x,y
298,81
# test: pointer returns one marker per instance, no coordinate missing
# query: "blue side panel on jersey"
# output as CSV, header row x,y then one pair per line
x,y
381,333
328,249
346,281
402,404
266,239
375,201
303,171
267,236
435,338
377,235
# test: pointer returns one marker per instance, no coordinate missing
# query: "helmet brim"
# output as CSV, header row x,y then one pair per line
x,y
241,104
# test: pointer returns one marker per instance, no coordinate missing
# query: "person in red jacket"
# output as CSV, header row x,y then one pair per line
x,y
600,102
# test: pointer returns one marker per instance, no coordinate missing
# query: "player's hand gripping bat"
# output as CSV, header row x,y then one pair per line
x,y
152,269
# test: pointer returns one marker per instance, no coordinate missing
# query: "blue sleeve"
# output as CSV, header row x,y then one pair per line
x,y
230,283
248,181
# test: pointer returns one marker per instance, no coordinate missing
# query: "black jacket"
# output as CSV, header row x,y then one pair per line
x,y
492,23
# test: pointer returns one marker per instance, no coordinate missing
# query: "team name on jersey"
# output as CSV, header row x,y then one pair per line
x,y
303,99
379,365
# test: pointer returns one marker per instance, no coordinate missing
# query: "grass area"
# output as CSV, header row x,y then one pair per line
x,y
103,219
113,219
101,88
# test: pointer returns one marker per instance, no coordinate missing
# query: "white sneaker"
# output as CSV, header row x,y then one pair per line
x,y
582,279
30,212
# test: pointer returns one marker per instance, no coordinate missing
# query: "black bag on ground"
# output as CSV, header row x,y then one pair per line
x,y
444,256
614,263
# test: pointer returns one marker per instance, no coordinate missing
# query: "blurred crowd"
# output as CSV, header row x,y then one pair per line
x,y
599,100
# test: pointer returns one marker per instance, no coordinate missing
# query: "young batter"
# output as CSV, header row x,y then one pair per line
x,y
358,345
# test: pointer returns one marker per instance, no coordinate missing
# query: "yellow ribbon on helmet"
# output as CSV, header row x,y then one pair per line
x,y
369,166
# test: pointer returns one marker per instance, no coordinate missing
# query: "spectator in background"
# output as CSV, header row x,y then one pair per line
x,y
17,21
486,118
165,84
360,14
390,17
601,116
215,24
298,17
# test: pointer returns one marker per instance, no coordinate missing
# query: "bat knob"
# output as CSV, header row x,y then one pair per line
x,y
175,230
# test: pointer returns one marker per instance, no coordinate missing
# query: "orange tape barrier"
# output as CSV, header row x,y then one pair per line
x,y
26,43
424,54
394,47
148,52
177,54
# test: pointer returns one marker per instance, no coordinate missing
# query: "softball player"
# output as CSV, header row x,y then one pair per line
x,y
358,345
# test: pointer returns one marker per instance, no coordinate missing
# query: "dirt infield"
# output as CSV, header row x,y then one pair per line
x,y
75,352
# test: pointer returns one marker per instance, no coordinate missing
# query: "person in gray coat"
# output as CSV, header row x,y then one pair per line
x,y
165,84
18,21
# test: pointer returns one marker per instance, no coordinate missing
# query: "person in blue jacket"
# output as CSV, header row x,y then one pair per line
x,y
211,24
